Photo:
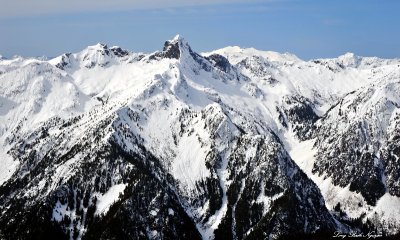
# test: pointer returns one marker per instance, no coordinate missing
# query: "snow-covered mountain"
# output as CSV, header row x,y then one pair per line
x,y
230,144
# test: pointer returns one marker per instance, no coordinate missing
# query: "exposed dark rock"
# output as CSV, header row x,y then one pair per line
x,y
220,62
119,52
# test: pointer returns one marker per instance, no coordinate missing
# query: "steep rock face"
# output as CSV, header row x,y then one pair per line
x,y
299,113
267,191
220,62
390,156
75,185
171,49
351,138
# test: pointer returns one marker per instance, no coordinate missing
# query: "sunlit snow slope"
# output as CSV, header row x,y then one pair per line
x,y
231,144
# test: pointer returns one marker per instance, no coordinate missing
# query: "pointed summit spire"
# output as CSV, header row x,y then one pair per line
x,y
172,48
177,37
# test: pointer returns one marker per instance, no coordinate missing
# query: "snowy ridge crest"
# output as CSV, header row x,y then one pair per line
x,y
235,143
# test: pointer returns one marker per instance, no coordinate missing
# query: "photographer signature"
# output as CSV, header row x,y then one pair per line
x,y
370,235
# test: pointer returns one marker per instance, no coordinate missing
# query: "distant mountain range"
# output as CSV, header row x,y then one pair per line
x,y
231,144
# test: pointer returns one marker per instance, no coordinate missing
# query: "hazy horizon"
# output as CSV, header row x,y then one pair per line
x,y
309,29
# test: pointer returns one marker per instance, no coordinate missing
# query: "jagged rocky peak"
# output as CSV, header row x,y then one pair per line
x,y
179,49
172,47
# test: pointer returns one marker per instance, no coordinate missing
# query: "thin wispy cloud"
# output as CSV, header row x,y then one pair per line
x,y
22,8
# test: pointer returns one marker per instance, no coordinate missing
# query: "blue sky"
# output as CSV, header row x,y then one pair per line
x,y
309,28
